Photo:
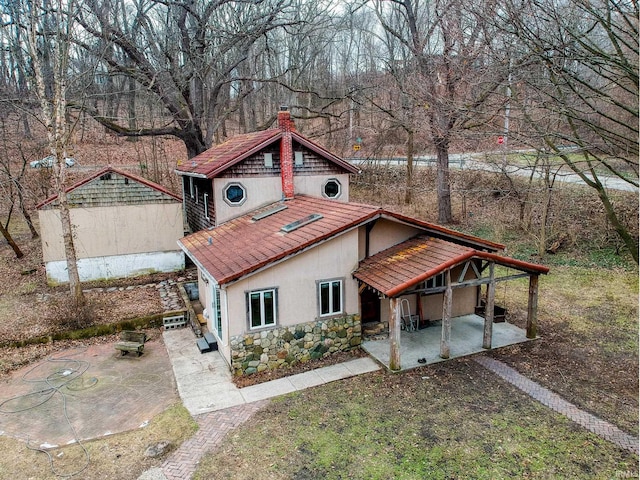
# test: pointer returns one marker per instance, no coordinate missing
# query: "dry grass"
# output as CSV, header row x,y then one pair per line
x,y
118,457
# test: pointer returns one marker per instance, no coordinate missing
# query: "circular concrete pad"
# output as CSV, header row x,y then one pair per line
x,y
85,394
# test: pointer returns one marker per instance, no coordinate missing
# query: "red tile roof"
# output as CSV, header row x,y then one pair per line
x,y
243,245
110,169
419,258
217,159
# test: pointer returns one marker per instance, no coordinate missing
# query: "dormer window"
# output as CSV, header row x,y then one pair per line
x,y
234,194
332,188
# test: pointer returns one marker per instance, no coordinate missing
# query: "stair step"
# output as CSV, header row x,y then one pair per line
x,y
203,346
211,340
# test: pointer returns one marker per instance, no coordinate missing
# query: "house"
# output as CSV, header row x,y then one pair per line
x,y
123,226
251,170
293,270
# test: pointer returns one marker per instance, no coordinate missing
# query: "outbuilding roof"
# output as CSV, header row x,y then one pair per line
x,y
216,160
405,265
139,190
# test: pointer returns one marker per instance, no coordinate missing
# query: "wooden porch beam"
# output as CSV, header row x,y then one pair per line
x,y
394,334
468,283
489,308
447,301
532,309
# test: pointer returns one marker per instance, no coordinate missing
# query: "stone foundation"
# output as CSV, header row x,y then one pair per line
x,y
284,346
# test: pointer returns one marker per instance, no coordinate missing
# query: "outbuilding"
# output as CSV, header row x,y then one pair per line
x,y
123,226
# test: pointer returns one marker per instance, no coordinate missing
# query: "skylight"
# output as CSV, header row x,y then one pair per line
x,y
268,213
290,227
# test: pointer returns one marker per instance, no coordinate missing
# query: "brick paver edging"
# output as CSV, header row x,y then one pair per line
x,y
214,426
555,402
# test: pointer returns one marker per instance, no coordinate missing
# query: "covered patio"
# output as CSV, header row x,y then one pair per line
x,y
466,339
431,280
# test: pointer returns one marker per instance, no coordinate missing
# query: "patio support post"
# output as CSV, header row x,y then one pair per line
x,y
489,308
394,334
532,310
445,338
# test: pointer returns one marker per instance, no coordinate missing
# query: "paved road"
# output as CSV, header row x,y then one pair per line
x,y
470,161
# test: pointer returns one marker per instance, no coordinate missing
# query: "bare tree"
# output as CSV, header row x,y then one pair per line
x,y
453,77
184,56
586,53
53,102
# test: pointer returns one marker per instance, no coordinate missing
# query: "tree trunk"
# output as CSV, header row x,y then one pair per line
x,y
25,214
194,141
443,183
620,229
75,286
409,187
11,242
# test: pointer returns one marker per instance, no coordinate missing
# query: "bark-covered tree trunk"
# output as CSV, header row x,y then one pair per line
x,y
442,181
410,152
25,213
54,108
7,236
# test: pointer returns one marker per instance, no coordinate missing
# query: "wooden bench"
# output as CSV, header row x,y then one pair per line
x,y
131,342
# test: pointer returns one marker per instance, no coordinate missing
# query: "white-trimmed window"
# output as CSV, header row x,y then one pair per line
x,y
262,308
298,158
191,190
330,297
268,160
216,321
205,200
332,188
196,194
234,194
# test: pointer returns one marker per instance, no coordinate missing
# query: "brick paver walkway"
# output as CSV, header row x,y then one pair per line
x,y
555,402
214,427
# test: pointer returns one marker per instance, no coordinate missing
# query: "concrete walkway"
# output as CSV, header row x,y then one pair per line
x,y
545,396
218,406
205,385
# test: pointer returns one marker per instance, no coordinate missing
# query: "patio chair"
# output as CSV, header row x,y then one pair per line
x,y
409,322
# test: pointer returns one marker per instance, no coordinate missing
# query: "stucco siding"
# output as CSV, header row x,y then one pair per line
x,y
295,280
112,231
386,233
259,191
313,185
464,299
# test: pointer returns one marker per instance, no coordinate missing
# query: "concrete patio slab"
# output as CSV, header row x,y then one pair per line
x,y
466,339
97,389
205,382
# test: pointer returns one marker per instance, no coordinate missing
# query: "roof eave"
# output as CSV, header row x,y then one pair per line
x,y
445,233
110,169
325,153
531,268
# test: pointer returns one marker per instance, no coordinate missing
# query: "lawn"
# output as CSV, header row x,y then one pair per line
x,y
115,457
458,420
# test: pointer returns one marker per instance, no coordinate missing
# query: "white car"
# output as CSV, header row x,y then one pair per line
x,y
48,162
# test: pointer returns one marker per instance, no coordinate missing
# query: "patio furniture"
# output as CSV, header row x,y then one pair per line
x,y
409,322
131,342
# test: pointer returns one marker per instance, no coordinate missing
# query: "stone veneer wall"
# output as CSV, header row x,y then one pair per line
x,y
284,346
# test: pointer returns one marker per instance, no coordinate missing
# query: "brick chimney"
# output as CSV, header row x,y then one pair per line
x,y
286,152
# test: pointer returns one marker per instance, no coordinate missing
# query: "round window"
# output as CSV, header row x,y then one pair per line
x,y
332,188
234,194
